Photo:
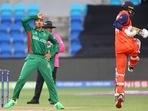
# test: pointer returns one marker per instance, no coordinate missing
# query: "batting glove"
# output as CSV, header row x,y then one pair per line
x,y
144,33
129,32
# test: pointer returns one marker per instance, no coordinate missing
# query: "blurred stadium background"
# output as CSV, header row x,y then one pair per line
x,y
86,29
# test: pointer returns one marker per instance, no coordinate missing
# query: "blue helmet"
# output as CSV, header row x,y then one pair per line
x,y
128,6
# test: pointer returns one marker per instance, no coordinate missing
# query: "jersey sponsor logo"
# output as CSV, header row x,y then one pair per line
x,y
38,39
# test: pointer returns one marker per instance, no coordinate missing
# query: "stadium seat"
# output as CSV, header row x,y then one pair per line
x,y
85,10
33,9
75,46
75,28
6,19
18,39
136,2
19,50
5,39
19,9
16,30
76,9
115,2
76,22
6,9
5,51
76,18
18,19
3,29
75,31
74,35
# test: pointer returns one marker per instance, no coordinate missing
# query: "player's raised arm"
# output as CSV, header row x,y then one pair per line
x,y
25,22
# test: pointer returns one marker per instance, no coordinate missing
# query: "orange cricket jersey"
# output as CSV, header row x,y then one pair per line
x,y
123,43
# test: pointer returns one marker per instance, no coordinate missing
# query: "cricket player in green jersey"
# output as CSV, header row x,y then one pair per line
x,y
37,58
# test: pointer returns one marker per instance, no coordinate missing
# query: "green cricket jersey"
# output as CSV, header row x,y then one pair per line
x,y
50,48
37,48
37,40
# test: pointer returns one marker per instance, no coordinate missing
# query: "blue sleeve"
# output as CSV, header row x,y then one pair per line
x,y
120,21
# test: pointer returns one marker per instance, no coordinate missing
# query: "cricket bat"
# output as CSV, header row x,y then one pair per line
x,y
137,29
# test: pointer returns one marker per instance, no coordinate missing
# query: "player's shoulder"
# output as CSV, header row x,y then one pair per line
x,y
47,32
124,15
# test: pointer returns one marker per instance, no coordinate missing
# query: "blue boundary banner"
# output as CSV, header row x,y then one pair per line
x,y
83,84
87,84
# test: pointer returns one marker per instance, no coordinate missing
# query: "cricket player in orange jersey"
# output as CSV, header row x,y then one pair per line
x,y
127,48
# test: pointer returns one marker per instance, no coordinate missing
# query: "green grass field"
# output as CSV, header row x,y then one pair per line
x,y
82,99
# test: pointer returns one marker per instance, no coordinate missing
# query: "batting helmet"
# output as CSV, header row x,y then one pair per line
x,y
128,6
